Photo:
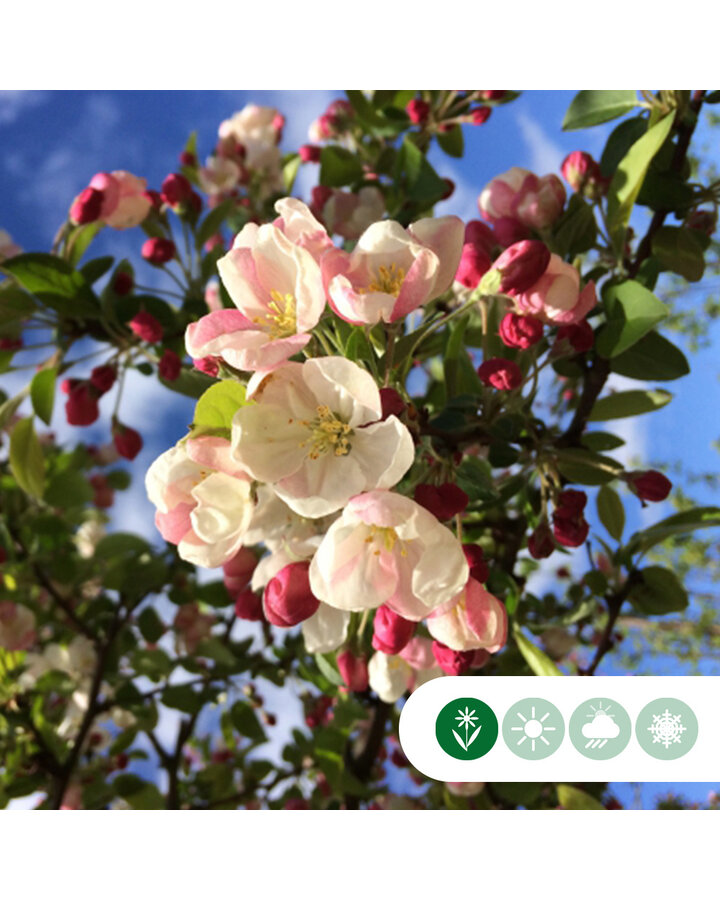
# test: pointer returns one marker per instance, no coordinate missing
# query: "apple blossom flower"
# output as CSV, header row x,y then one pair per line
x,y
556,297
385,548
348,213
202,498
520,332
17,626
391,676
132,203
393,270
314,434
300,226
474,620
277,288
255,129
326,630
219,175
521,196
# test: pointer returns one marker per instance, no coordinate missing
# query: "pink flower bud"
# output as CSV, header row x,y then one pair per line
x,y
571,500
391,632
86,206
476,560
187,159
521,265
170,366
580,336
582,173
520,332
122,284
128,442
288,599
146,327
540,543
650,485
480,115
240,567
569,526
103,494
154,197
82,404
444,501
452,662
354,671
102,378
474,263
509,232
248,605
278,124
418,111
392,403
208,365
158,251
479,234
309,153
502,374
176,189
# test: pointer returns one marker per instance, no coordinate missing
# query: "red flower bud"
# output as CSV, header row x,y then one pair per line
x,y
480,115
309,153
11,343
649,485
188,159
571,500
170,366
103,494
452,662
521,265
509,231
155,198
128,442
354,671
579,169
239,568
288,599
87,206
443,501
476,560
158,251
208,365
580,336
146,327
390,631
520,331
102,378
82,405
502,374
392,403
176,189
122,284
474,263
570,531
248,606
418,111
540,543
481,235
278,124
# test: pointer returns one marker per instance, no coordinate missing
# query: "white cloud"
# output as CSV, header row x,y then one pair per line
x,y
14,104
545,155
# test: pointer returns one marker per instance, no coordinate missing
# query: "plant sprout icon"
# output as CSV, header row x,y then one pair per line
x,y
601,729
468,719
533,728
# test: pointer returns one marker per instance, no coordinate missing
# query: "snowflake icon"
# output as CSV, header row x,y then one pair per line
x,y
667,729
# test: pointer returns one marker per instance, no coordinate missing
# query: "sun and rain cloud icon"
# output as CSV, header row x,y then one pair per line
x,y
601,728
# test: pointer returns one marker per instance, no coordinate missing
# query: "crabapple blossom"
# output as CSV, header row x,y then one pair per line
x,y
474,620
132,203
556,297
346,213
519,195
391,633
393,270
521,265
218,175
326,629
314,434
354,671
288,600
649,486
520,331
385,548
391,676
277,289
203,500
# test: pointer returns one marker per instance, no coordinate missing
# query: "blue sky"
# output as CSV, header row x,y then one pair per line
x,y
51,143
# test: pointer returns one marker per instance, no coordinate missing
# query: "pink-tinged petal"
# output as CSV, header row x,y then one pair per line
x,y
334,262
269,355
267,442
348,390
587,300
175,524
418,653
238,273
418,285
486,615
445,236
317,489
202,336
359,308
214,453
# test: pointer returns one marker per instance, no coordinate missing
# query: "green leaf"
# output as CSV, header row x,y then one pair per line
x,y
79,240
218,405
245,721
595,107
452,141
329,670
632,311
290,170
339,167
182,697
11,406
576,231
190,383
14,304
601,440
424,185
121,544
680,523
659,593
151,625
138,793
539,662
213,221
53,281
68,489
628,403
586,467
26,458
629,176
570,797
42,393
611,511
518,792
96,268
653,358
680,250
213,648
619,142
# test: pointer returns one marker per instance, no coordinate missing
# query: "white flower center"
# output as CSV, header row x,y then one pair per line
x,y
389,280
281,318
327,433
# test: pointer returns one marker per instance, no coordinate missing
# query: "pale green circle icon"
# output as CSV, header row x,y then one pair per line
x,y
600,728
666,728
533,728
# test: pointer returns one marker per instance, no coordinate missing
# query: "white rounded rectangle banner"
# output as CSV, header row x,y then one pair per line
x,y
530,728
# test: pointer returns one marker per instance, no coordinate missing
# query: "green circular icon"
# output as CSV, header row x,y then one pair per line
x,y
466,728
666,728
600,728
533,728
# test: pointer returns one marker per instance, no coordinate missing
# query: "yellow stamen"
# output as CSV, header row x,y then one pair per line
x,y
387,537
327,433
281,320
389,280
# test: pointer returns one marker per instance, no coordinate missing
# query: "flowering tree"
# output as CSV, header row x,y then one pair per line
x,y
391,424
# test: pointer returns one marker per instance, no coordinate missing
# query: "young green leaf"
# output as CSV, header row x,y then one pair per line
x,y
218,405
539,662
42,393
628,403
26,458
632,311
611,511
595,107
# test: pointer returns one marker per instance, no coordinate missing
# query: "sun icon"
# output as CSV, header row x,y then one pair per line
x,y
533,728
